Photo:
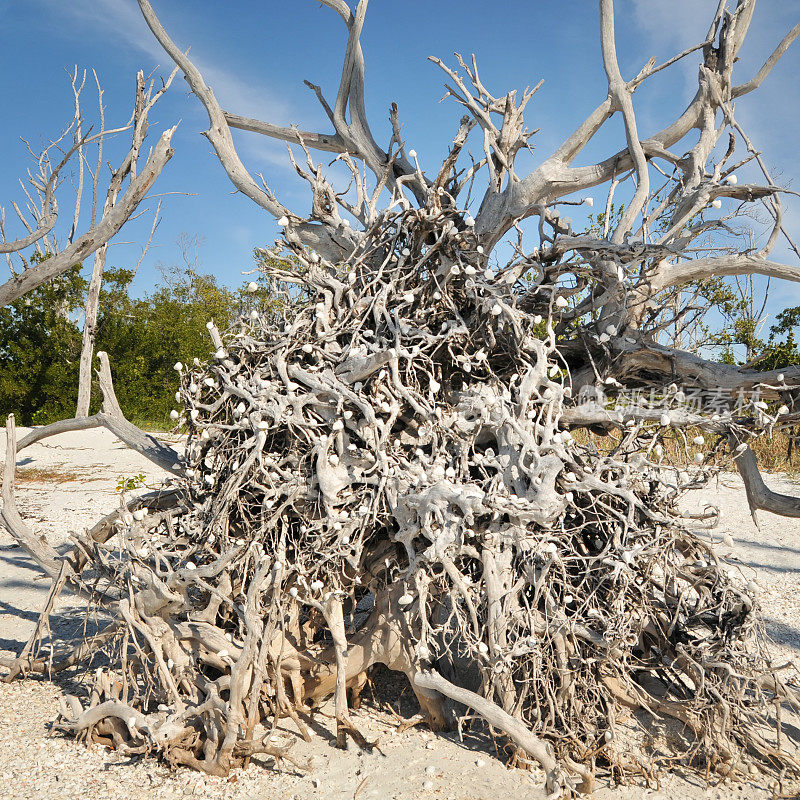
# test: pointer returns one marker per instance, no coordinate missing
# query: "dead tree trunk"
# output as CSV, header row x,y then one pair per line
x,y
121,204
144,102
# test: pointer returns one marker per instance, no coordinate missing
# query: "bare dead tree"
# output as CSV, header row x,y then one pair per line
x,y
43,210
146,98
394,466
38,256
633,267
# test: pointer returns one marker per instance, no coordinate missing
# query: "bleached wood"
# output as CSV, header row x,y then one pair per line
x,y
106,228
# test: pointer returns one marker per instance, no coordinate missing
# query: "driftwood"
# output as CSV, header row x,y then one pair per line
x,y
393,466
383,476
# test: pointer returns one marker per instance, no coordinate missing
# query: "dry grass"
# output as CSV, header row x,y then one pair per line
x,y
774,452
48,474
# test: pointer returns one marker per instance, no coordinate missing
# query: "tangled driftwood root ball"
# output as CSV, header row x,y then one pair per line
x,y
380,472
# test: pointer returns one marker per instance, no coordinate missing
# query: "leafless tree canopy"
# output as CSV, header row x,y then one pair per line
x,y
38,256
394,467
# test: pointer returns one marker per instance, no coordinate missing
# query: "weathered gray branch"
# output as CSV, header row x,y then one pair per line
x,y
316,141
496,717
704,268
555,177
759,495
333,244
106,228
112,418
41,552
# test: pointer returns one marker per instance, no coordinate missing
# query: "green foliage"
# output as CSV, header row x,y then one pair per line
x,y
144,337
40,338
129,483
597,221
40,349
783,348
738,322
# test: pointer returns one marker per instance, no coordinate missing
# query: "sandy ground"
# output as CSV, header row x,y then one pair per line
x,y
409,765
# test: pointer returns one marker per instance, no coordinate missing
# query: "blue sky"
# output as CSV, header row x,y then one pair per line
x,y
255,55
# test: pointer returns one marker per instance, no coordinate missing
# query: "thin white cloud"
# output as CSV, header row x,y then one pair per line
x,y
122,20
676,24
668,28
